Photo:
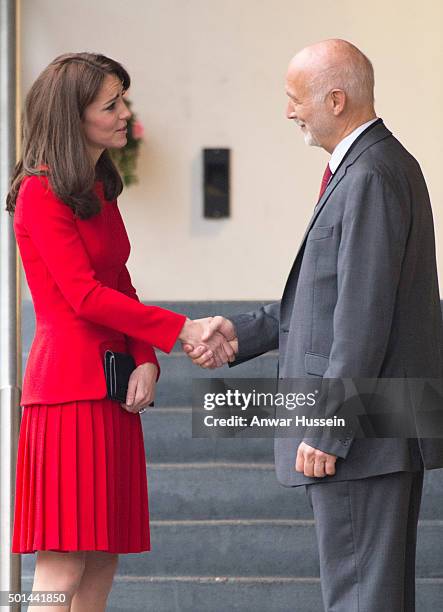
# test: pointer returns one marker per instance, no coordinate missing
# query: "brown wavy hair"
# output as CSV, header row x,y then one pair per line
x,y
53,135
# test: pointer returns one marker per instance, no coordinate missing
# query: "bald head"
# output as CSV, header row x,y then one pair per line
x,y
336,64
330,86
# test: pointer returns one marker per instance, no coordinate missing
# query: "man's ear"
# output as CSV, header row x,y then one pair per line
x,y
337,98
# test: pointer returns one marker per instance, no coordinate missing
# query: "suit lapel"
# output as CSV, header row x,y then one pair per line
x,y
369,137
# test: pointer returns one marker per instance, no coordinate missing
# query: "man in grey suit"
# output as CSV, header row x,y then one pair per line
x,y
361,301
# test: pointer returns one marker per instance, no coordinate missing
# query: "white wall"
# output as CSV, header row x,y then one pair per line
x,y
211,73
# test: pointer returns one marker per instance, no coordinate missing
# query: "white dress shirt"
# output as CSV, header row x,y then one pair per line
x,y
343,146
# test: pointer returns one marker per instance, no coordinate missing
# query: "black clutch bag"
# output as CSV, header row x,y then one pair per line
x,y
118,369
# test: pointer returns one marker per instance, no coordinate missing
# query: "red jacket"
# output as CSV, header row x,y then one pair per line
x,y
83,297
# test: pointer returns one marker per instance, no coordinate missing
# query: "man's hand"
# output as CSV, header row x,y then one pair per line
x,y
313,462
141,387
204,341
218,329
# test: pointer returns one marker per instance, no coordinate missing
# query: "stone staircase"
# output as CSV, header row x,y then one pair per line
x,y
225,535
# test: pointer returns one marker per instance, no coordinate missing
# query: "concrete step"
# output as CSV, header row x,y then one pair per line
x,y
262,594
239,594
211,594
177,373
222,490
252,548
240,490
168,439
255,548
432,500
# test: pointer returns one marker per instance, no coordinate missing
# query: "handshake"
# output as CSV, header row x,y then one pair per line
x,y
210,342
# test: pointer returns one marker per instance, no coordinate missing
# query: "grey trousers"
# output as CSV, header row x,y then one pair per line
x,y
367,532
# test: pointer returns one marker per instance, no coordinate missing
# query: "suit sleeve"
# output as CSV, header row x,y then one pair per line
x,y
141,351
51,227
257,332
375,229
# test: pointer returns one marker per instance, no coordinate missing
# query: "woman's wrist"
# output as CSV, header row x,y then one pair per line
x,y
149,365
186,330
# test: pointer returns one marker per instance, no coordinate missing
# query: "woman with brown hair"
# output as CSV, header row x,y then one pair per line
x,y
81,490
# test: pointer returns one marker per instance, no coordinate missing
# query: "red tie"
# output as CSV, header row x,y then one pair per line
x,y
325,180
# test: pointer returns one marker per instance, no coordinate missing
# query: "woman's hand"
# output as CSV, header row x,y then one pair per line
x,y
141,387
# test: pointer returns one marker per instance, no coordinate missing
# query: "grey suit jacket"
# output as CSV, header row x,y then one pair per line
x,y
361,301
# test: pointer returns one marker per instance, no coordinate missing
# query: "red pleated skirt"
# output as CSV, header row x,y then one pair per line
x,y
81,479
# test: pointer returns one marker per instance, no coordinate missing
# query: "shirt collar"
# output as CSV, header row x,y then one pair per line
x,y
344,145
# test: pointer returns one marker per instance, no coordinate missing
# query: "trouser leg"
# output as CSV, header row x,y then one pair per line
x,y
411,541
366,532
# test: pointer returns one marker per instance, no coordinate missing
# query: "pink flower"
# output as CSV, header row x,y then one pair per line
x,y
138,130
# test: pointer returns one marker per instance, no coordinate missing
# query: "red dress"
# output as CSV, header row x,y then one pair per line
x,y
81,471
